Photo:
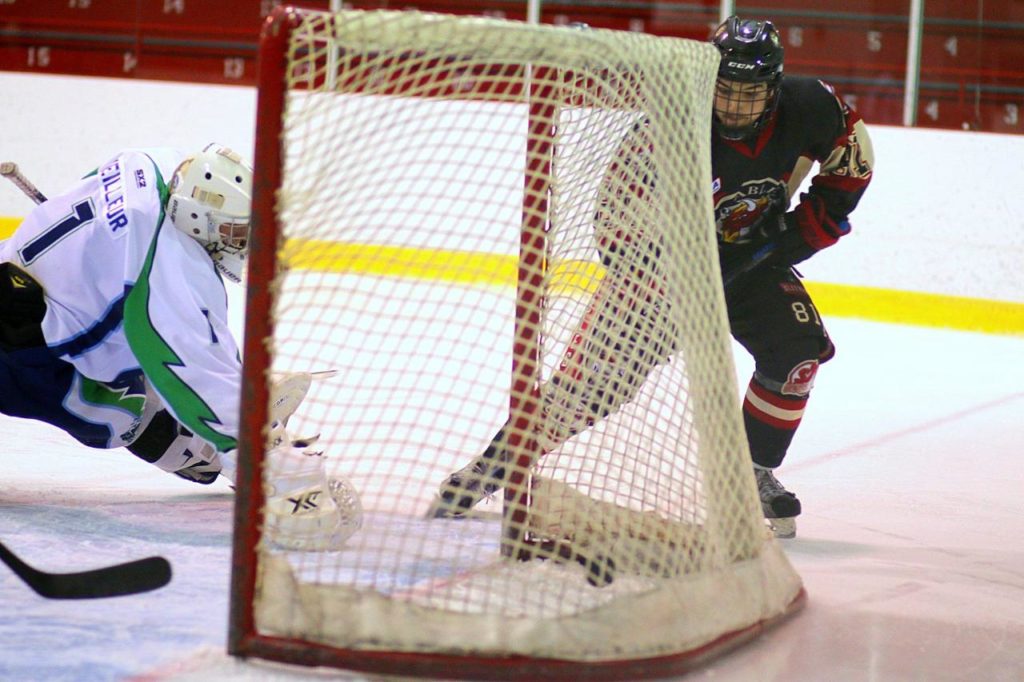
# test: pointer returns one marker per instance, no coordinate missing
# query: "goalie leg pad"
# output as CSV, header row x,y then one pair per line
x,y
625,333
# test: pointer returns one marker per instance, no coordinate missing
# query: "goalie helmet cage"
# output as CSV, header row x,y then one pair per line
x,y
491,226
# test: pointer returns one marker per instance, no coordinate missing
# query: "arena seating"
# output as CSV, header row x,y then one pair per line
x,y
971,52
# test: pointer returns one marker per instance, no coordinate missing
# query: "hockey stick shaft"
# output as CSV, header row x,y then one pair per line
x,y
760,256
10,170
118,580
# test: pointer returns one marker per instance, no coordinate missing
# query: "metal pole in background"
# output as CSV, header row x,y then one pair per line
x,y
915,28
533,11
726,9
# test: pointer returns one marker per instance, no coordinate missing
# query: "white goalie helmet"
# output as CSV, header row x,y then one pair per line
x,y
211,201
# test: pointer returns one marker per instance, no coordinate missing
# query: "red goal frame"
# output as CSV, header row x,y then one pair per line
x,y
244,639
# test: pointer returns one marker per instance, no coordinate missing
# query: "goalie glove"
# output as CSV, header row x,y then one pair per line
x,y
286,394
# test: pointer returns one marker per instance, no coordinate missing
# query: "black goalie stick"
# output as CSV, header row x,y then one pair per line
x,y
118,580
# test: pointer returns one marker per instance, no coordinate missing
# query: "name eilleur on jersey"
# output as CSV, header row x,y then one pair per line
x,y
112,180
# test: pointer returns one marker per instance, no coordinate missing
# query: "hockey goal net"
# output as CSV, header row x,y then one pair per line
x,y
487,225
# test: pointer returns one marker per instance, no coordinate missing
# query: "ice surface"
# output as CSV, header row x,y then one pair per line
x,y
911,545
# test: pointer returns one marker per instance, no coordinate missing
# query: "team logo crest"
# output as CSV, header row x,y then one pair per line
x,y
737,215
801,379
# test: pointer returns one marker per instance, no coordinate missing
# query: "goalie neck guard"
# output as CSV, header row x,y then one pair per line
x,y
749,76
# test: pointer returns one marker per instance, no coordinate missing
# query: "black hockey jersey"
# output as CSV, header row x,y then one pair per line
x,y
753,180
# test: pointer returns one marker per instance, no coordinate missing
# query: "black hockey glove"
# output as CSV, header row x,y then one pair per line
x,y
789,239
740,260
22,308
784,249
807,229
789,246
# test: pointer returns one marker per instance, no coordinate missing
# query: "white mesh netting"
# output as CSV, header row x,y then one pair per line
x,y
489,225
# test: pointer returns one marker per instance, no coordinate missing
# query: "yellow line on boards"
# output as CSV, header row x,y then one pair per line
x,y
8,226
470,267
919,308
466,267
839,300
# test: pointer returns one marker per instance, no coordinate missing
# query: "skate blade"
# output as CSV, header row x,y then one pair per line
x,y
784,529
440,509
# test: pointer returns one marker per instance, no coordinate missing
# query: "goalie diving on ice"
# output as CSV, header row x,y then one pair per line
x,y
114,328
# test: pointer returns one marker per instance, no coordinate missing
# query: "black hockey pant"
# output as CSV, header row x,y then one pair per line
x,y
773,317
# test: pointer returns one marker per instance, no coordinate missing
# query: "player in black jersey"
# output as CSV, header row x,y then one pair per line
x,y
768,131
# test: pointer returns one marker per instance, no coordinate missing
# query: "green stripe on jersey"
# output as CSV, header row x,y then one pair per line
x,y
158,359
97,393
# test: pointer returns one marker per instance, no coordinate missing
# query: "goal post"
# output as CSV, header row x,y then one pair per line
x,y
488,227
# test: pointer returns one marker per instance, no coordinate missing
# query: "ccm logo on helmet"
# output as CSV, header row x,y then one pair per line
x,y
740,65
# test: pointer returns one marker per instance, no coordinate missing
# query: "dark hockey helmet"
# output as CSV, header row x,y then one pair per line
x,y
752,54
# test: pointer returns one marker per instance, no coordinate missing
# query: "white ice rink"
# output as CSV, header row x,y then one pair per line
x,y
909,465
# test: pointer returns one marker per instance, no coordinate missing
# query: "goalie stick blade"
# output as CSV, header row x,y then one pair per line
x,y
118,580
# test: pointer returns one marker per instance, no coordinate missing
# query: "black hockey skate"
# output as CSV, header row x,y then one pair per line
x,y
462,490
780,507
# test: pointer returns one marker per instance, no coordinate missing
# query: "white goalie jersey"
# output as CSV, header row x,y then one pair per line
x,y
125,290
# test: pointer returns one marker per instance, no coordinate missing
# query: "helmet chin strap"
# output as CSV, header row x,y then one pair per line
x,y
751,129
738,132
228,263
